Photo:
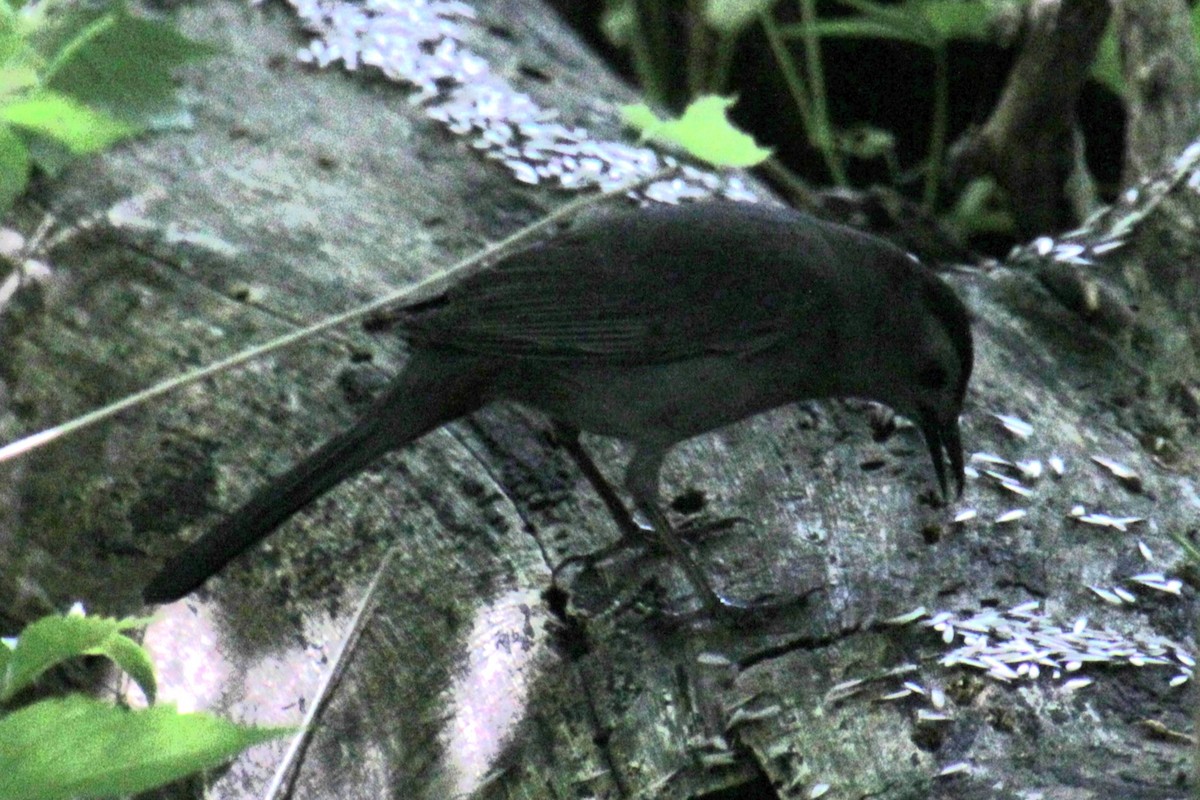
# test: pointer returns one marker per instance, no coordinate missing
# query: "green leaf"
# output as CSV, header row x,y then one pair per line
x,y
704,131
78,746
125,67
618,22
1106,65
16,79
981,208
866,141
52,640
14,176
731,17
14,49
134,660
79,128
856,28
955,19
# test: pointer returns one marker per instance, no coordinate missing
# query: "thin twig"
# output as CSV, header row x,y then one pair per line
x,y
283,782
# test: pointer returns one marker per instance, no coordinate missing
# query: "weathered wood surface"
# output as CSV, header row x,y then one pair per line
x,y
312,191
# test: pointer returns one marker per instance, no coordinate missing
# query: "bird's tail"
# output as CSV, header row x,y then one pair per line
x,y
429,393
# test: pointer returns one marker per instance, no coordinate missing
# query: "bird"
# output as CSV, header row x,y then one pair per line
x,y
652,325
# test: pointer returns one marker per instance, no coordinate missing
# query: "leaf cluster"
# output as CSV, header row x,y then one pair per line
x,y
796,32
76,78
80,746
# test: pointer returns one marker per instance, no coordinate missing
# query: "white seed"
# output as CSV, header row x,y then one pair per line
x,y
1027,607
1030,469
1015,425
1105,247
989,458
954,769
1106,595
925,715
907,618
710,659
1012,516
1118,470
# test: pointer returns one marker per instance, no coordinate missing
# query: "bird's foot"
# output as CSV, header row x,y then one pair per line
x,y
721,609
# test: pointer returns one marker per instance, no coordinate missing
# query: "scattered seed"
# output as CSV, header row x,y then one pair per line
x,y
966,515
1024,609
1015,425
1106,595
1121,472
741,716
907,617
1105,521
711,659
954,769
1012,516
926,715
1030,469
989,458
1057,466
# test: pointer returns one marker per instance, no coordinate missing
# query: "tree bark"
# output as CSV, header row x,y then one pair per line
x,y
1028,144
496,661
1158,52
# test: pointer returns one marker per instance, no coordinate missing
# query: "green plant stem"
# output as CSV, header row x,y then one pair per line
x,y
799,193
699,46
718,75
800,94
72,47
935,159
816,82
650,50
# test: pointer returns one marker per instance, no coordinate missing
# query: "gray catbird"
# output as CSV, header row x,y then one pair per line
x,y
651,326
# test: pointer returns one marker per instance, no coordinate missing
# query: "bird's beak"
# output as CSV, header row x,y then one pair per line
x,y
944,442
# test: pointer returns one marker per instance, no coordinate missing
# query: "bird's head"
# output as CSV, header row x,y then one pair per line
x,y
926,356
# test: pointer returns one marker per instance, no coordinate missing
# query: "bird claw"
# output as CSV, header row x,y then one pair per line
x,y
727,611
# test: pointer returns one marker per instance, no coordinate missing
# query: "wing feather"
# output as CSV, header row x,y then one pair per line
x,y
646,287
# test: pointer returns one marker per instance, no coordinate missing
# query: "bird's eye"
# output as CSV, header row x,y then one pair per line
x,y
931,376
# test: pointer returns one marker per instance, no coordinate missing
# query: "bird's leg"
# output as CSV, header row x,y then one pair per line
x,y
631,532
641,479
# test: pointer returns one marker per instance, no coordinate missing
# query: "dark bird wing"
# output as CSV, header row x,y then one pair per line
x,y
661,284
